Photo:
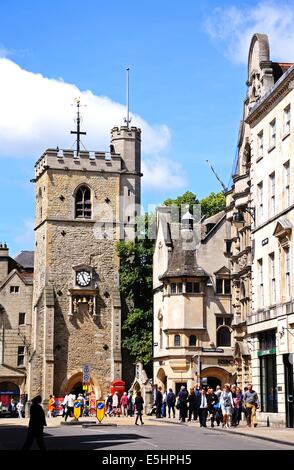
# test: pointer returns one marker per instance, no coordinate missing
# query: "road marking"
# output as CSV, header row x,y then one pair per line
x,y
150,443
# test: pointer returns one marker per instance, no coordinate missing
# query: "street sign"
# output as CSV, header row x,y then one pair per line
x,y
77,409
100,410
86,373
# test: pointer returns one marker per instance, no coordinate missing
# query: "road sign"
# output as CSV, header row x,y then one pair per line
x,y
77,409
86,373
100,410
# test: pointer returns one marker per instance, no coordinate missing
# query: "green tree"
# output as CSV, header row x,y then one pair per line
x,y
188,198
210,205
136,287
213,204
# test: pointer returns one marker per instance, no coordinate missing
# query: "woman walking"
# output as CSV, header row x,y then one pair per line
x,y
139,402
227,404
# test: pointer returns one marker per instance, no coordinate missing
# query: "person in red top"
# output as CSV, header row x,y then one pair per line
x,y
124,404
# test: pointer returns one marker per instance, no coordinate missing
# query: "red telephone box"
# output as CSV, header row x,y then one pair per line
x,y
117,386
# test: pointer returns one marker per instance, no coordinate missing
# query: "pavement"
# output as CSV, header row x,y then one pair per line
x,y
273,434
276,435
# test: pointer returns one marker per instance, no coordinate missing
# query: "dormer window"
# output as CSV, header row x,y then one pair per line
x,y
83,205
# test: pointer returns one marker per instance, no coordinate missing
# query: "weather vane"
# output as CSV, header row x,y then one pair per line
x,y
78,132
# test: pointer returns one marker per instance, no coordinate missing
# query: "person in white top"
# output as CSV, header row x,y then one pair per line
x,y
227,404
70,405
20,408
115,404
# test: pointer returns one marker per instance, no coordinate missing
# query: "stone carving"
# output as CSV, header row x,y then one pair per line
x,y
242,261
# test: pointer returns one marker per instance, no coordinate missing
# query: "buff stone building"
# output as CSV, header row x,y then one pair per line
x,y
192,320
85,203
260,208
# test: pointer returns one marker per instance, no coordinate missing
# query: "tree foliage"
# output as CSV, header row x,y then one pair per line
x,y
213,204
210,205
136,260
136,286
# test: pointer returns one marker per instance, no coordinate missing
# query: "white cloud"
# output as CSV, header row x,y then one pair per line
x,y
26,236
233,27
36,113
162,174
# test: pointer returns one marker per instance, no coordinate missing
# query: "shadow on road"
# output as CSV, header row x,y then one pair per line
x,y
13,437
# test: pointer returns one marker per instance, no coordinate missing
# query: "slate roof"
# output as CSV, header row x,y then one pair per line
x,y
183,263
25,259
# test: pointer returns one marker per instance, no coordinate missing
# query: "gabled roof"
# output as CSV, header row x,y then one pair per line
x,y
222,270
12,273
25,259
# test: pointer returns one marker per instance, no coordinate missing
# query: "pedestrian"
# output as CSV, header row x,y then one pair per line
x,y
109,404
226,401
237,399
251,405
158,402
192,404
203,409
211,401
115,404
70,405
124,404
139,402
36,425
20,408
197,401
171,401
130,404
82,401
64,405
51,406
163,407
183,401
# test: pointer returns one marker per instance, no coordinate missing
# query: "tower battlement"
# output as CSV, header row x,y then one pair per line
x,y
65,159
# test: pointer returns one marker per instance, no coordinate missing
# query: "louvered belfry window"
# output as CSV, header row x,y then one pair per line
x,y
83,206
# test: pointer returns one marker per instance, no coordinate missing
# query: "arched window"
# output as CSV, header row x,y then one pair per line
x,y
192,340
83,206
223,336
177,340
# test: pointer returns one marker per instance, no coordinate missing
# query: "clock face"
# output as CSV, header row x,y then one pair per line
x,y
83,278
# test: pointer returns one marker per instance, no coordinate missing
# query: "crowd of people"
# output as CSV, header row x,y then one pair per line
x,y
206,404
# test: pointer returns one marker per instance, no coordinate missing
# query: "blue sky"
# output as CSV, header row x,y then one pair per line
x,y
187,69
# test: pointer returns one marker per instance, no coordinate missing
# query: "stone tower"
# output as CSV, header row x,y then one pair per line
x,y
84,204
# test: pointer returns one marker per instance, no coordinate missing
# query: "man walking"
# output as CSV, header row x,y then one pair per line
x,y
36,425
251,404
158,402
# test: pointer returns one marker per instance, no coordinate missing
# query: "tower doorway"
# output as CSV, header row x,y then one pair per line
x,y
78,388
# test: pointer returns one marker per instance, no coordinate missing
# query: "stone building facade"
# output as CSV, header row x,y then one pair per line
x,y
16,292
85,203
267,212
192,302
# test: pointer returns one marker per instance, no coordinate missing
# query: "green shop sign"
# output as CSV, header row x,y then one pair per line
x,y
266,352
